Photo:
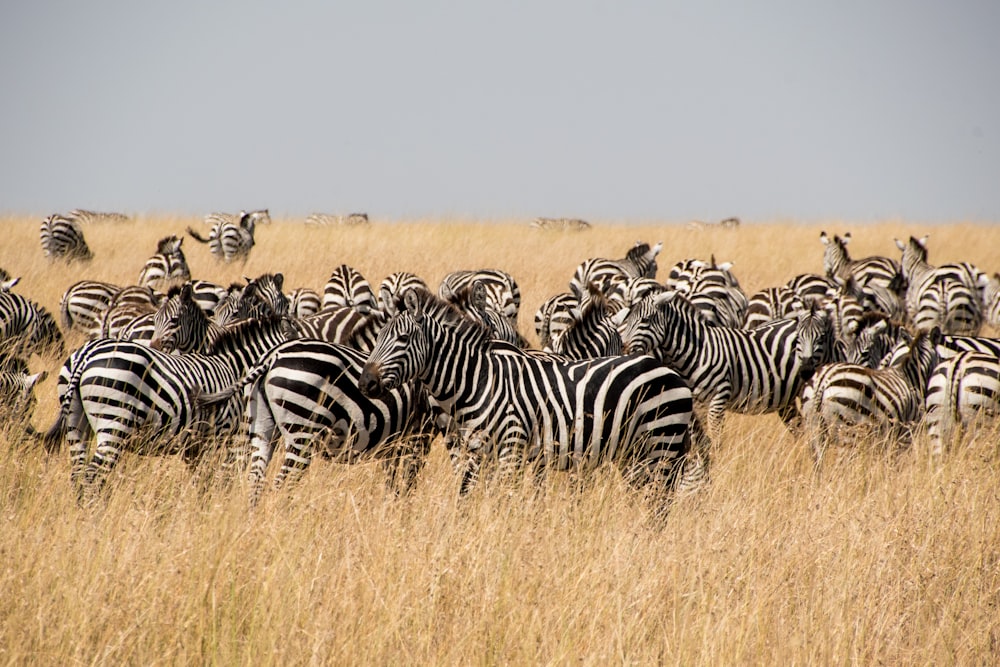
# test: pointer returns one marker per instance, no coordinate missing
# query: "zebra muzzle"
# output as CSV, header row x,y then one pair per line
x,y
370,381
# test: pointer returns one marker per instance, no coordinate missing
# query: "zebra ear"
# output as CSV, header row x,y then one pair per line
x,y
187,293
479,294
846,238
279,280
826,239
900,244
664,298
935,336
412,304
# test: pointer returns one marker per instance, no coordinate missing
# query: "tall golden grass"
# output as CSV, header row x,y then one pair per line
x,y
887,557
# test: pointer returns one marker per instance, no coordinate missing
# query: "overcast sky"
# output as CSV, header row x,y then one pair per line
x,y
659,110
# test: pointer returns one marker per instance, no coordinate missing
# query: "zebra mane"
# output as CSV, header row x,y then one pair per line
x,y
232,334
444,312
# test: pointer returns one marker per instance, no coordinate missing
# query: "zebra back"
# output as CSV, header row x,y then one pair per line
x,y
963,387
62,238
392,287
347,288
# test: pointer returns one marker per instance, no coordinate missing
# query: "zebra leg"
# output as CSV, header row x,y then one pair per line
x,y
405,462
106,454
791,418
298,456
78,432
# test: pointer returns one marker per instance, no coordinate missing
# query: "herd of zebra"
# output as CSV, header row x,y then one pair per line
x,y
630,370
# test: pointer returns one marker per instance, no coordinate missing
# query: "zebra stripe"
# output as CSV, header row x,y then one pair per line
x,y
963,389
231,237
347,288
949,296
392,287
83,305
728,224
27,328
553,317
843,399
591,333
17,397
750,372
131,395
608,274
712,288
343,326
875,270
521,408
306,393
62,238
167,267
502,291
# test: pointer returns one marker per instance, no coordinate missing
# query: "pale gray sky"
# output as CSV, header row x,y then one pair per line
x,y
856,110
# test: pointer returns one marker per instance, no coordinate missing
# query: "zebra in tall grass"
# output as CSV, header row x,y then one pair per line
x,y
330,219
62,238
27,328
347,288
962,390
130,303
17,397
305,397
949,296
750,372
231,239
83,305
134,396
392,288
168,267
610,274
560,224
844,399
520,408
85,217
553,317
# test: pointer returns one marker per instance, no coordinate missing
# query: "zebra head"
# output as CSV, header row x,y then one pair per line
x,y
642,328
400,350
835,256
262,297
180,324
875,338
813,338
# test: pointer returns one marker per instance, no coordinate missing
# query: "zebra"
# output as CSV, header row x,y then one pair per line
x,y
260,217
127,304
609,274
17,397
964,387
843,398
949,296
770,304
208,295
524,409
306,393
751,372
591,334
181,325
83,305
342,325
230,240
347,288
712,288
167,267
303,301
502,290
86,217
876,270
728,224
553,317
392,287
132,395
27,328
260,298
62,238
877,335
560,224
327,219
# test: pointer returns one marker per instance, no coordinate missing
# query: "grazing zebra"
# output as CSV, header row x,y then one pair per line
x,y
949,296
86,217
837,261
327,219
347,288
560,224
27,328
17,398
392,287
751,372
962,389
231,237
304,301
306,393
502,291
712,288
62,238
609,274
591,334
167,267
842,399
132,395
520,408
728,224
83,305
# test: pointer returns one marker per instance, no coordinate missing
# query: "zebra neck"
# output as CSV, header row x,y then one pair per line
x,y
457,357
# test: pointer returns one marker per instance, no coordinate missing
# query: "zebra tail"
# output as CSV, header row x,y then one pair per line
x,y
196,236
53,438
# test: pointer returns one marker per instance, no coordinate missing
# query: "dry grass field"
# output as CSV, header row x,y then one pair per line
x,y
887,558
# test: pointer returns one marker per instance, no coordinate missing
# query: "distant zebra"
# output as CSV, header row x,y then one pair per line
x,y
306,393
347,288
842,399
560,224
728,224
231,237
949,296
131,395
27,328
86,217
83,305
750,372
62,238
963,389
326,219
392,287
167,268
610,274
520,409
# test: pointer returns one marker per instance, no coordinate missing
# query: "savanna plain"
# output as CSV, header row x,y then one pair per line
x,y
887,557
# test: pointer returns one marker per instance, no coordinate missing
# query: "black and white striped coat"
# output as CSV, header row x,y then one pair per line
x,y
963,389
85,217
949,296
750,372
26,327
83,305
167,267
609,274
347,288
230,239
62,238
517,407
